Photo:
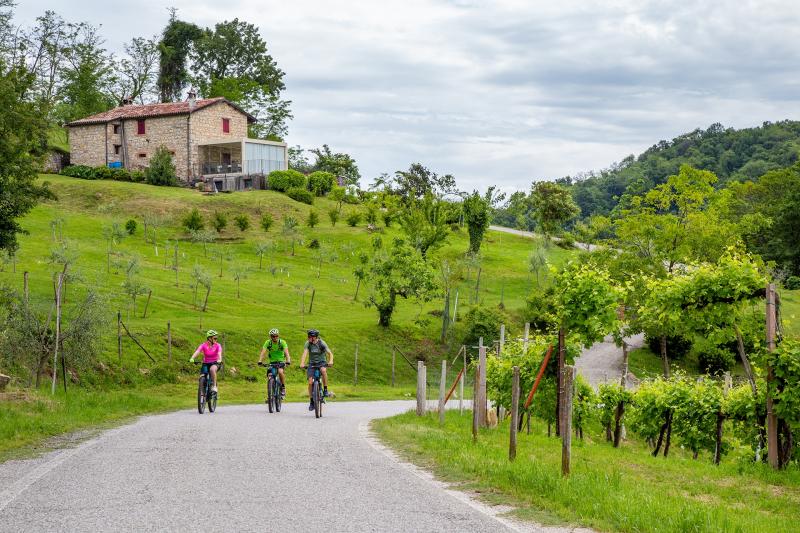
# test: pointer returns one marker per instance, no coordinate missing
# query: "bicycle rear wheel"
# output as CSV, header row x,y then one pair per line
x,y
271,394
201,395
212,401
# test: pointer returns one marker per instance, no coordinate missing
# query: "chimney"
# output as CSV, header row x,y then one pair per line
x,y
192,99
127,100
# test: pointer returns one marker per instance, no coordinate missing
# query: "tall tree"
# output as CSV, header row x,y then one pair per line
x,y
135,74
419,180
553,206
44,48
174,48
338,164
424,223
476,215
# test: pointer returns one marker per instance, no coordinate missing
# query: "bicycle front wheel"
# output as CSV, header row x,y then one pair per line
x,y
212,401
201,395
271,394
276,392
317,400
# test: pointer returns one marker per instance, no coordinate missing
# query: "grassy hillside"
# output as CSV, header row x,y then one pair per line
x,y
272,296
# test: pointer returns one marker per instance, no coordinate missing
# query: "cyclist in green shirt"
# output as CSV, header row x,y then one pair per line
x,y
278,352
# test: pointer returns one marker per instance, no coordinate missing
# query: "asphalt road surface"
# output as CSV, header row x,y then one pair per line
x,y
239,469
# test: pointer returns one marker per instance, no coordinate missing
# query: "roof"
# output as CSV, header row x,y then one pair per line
x,y
132,111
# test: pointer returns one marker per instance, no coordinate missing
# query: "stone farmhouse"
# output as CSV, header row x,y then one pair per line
x,y
207,138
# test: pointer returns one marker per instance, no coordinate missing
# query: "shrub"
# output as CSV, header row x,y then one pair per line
x,y
540,310
313,219
130,226
138,176
483,322
321,183
353,219
352,199
713,359
193,221
566,241
78,171
102,173
242,222
314,244
266,221
283,180
120,174
792,283
161,170
219,221
677,347
333,214
300,195
372,215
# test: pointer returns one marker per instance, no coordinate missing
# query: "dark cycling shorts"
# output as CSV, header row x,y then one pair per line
x,y
310,369
207,366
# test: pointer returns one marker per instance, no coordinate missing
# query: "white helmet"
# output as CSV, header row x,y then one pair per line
x,y
273,331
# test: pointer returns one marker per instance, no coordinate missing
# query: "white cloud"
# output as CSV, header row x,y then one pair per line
x,y
504,91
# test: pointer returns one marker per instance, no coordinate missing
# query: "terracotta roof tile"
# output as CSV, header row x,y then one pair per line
x,y
153,110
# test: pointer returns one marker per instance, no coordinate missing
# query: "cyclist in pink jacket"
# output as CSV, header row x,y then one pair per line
x,y
212,356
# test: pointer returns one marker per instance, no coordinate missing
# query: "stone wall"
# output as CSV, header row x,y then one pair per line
x,y
207,127
86,145
158,131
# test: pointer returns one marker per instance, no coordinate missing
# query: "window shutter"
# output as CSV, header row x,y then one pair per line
x,y
140,126
226,125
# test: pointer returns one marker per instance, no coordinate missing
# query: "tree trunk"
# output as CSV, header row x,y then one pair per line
x,y
445,316
205,302
669,434
358,285
718,442
618,424
664,358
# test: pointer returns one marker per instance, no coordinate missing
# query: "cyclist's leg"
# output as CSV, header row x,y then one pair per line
x,y
324,376
213,370
280,374
310,389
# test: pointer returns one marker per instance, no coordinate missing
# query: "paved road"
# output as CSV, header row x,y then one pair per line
x,y
603,361
240,469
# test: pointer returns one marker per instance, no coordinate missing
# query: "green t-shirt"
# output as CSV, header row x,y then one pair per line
x,y
276,350
317,353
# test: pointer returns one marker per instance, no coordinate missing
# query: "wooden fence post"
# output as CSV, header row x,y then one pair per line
x,y
169,342
526,338
475,416
461,385
560,377
25,285
482,386
442,386
772,419
119,337
502,339
147,303
394,355
566,418
355,367
58,331
311,305
422,386
512,443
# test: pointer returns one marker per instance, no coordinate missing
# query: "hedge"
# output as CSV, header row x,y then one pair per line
x,y
283,180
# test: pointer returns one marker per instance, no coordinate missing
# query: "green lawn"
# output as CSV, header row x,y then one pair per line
x,y
610,489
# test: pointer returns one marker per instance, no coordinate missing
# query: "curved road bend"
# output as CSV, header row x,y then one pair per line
x,y
239,469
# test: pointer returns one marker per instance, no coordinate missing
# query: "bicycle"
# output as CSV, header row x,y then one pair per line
x,y
316,390
274,386
204,393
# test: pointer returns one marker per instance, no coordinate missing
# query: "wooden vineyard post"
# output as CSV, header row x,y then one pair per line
x,y
526,338
421,388
566,420
502,340
560,376
119,337
475,421
461,384
481,384
512,443
442,386
394,356
58,331
169,342
25,285
772,419
147,303
355,367
311,305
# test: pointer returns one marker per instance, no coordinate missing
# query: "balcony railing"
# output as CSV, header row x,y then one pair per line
x,y
213,168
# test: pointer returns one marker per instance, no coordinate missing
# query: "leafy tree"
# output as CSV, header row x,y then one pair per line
x,y
425,224
313,219
130,226
113,234
174,48
242,222
333,214
161,170
23,132
338,164
321,183
477,216
232,60
419,181
219,221
261,249
354,219
266,222
338,195
134,76
553,206
361,272
298,160
290,230
205,237
402,272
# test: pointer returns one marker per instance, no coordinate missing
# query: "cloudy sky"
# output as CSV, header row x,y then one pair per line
x,y
501,92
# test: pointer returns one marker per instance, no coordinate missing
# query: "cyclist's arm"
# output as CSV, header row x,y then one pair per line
x,y
330,357
220,354
288,357
303,357
261,356
195,354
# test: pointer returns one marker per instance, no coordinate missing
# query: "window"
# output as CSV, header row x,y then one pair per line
x,y
117,149
226,125
142,154
116,129
140,126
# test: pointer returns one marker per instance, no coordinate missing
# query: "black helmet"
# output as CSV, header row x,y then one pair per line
x,y
313,333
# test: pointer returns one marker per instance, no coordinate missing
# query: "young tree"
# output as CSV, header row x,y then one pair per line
x,y
333,214
553,206
360,272
338,164
113,234
222,255
353,219
239,273
219,221
477,216
425,225
205,237
402,272
419,181
161,170
261,249
193,221
290,230
266,222
313,219
200,278
242,222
